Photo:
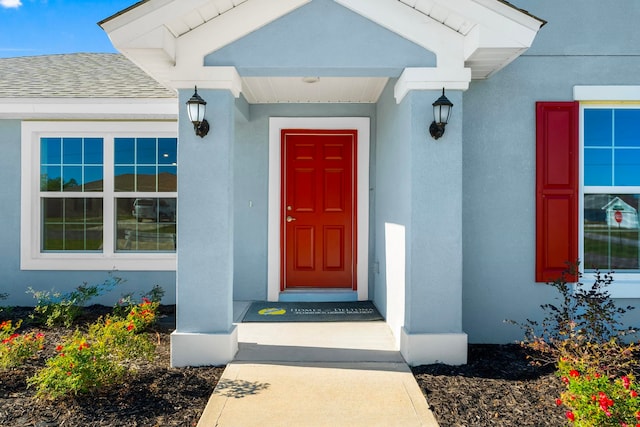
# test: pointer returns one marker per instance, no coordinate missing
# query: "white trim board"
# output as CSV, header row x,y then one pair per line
x,y
362,125
606,93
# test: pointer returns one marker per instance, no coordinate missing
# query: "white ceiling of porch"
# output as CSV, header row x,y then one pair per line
x,y
267,90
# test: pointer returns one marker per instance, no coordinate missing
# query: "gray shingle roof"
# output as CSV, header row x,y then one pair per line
x,y
77,75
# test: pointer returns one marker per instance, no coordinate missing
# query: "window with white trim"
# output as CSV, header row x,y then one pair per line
x,y
611,187
99,195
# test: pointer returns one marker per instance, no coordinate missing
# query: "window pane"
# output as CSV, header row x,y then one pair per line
x,y
72,224
598,166
627,170
627,127
51,178
125,179
93,178
146,151
146,178
167,178
72,151
146,224
167,151
51,151
93,152
611,235
598,127
72,178
124,151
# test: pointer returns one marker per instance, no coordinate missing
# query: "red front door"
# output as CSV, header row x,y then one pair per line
x,y
318,208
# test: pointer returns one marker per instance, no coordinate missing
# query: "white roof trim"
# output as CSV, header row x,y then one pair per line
x,y
606,93
94,108
146,41
425,31
169,39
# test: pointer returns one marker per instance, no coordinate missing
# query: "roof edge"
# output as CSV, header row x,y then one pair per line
x,y
526,12
122,12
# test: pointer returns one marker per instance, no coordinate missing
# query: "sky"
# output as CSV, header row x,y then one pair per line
x,y
45,27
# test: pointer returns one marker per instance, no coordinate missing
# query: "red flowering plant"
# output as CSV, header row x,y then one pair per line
x,y
16,347
142,315
147,307
594,399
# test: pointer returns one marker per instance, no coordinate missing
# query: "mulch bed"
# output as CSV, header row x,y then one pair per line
x,y
498,387
157,396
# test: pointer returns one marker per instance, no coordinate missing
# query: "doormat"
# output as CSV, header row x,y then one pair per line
x,y
357,311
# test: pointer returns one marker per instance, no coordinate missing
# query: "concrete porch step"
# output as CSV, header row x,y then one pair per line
x,y
317,374
317,342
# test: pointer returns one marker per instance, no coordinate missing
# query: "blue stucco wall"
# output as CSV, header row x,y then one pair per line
x,y
392,195
15,282
322,38
596,47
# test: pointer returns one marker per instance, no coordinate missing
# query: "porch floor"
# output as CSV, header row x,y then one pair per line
x,y
316,374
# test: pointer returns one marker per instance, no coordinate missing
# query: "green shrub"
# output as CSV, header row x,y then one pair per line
x,y
584,325
100,357
54,308
15,348
583,336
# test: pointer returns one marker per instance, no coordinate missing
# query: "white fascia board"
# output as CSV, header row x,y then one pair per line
x,y
606,93
512,13
511,25
444,42
95,108
431,79
145,18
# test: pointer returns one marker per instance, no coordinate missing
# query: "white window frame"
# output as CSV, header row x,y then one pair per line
x,y
31,257
625,285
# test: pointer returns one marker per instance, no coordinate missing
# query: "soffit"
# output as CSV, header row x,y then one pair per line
x,y
269,90
169,38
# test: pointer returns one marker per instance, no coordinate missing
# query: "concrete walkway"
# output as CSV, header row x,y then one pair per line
x,y
317,374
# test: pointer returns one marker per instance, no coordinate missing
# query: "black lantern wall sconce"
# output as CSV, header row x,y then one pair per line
x,y
441,113
196,107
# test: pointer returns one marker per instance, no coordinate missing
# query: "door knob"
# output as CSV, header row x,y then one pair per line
x,y
290,218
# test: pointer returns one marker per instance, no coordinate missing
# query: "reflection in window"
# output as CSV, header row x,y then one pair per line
x,y
146,164
611,233
611,237
71,164
145,218
72,224
146,224
612,147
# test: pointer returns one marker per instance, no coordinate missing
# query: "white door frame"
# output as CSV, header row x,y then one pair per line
x,y
276,124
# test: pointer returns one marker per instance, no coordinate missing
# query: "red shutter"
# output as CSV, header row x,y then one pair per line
x,y
556,188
